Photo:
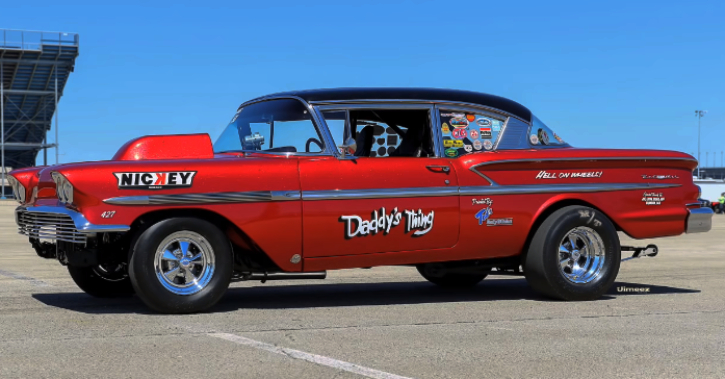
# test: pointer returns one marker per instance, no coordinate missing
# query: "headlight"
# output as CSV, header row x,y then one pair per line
x,y
18,189
63,188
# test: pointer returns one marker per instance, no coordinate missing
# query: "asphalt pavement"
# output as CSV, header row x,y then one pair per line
x,y
664,318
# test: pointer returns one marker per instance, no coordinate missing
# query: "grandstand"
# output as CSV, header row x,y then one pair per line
x,y
712,172
34,68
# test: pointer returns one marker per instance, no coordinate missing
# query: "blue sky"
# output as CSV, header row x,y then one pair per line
x,y
623,74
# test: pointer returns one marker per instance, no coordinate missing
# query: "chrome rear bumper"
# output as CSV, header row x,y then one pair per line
x,y
699,220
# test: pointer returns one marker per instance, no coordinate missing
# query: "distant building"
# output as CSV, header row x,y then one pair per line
x,y
712,172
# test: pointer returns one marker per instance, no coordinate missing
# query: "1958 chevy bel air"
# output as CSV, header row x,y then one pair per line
x,y
459,184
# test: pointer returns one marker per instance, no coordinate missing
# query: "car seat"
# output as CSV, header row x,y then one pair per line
x,y
364,141
411,146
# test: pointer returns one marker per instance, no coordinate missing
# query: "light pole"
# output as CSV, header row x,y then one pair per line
x,y
699,115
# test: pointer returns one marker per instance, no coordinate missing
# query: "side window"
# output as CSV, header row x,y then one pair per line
x,y
382,132
466,132
282,126
385,140
541,135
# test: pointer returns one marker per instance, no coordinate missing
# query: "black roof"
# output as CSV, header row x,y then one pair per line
x,y
427,94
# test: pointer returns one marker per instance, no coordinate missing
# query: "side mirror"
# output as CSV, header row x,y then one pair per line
x,y
349,147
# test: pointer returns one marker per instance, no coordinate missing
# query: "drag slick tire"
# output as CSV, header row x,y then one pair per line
x,y
181,265
432,273
103,281
574,255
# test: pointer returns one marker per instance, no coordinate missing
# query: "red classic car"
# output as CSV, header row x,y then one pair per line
x,y
459,184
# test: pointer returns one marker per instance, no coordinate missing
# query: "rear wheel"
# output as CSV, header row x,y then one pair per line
x,y
574,255
433,274
107,280
181,265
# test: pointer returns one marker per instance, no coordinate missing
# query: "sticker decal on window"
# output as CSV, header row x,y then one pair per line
x,y
466,133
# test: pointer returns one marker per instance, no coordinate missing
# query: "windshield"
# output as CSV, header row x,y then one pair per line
x,y
542,135
277,126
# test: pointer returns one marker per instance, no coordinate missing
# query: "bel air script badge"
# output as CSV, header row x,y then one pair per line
x,y
660,177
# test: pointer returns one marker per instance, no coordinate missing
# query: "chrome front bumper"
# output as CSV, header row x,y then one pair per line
x,y
59,224
699,220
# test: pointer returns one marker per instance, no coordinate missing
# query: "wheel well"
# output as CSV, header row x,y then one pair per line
x,y
553,208
248,255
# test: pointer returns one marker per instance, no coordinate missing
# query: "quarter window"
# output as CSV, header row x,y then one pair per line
x,y
467,132
542,135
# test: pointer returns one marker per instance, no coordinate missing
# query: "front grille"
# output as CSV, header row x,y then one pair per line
x,y
51,226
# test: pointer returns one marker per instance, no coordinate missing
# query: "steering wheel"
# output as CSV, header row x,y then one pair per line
x,y
316,141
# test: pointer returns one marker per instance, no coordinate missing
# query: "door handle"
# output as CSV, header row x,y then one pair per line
x,y
436,168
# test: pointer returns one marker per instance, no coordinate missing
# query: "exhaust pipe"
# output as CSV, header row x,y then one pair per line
x,y
639,252
265,276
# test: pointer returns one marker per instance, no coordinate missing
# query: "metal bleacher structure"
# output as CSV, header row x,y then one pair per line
x,y
34,68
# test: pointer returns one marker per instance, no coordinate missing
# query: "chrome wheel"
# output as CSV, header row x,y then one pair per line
x,y
184,263
581,255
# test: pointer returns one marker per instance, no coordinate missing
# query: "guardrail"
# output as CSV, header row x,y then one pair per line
x,y
12,39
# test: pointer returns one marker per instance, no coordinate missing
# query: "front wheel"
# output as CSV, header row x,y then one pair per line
x,y
574,255
107,280
181,265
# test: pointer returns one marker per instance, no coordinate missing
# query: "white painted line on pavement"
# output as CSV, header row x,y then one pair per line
x,y
314,358
33,281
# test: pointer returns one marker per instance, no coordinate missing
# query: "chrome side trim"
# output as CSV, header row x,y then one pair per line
x,y
699,220
327,137
558,188
437,133
584,159
206,198
82,224
128,200
477,190
379,193
286,195
483,176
